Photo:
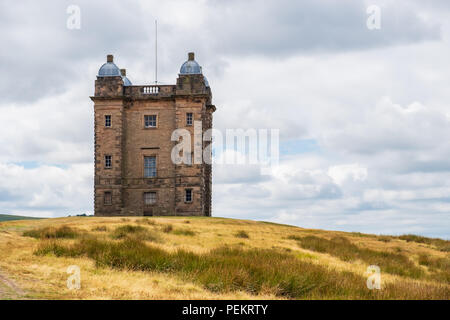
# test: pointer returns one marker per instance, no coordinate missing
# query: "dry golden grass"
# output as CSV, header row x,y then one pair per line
x,y
44,276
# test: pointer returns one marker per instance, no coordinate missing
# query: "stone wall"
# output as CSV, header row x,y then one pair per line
x,y
128,142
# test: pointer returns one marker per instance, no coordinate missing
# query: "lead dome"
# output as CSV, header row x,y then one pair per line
x,y
190,66
109,69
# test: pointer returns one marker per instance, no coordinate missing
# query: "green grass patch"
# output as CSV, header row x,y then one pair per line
x,y
361,235
394,263
228,269
146,221
440,244
100,229
136,232
184,232
439,267
7,217
384,238
63,232
242,234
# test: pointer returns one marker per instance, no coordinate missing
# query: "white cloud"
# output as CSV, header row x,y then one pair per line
x,y
46,190
341,173
374,104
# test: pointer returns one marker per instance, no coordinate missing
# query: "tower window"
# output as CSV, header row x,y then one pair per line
x,y
108,161
150,167
107,198
108,121
189,118
150,121
188,195
149,198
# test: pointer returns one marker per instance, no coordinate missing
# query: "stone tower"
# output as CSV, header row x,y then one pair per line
x,y
134,172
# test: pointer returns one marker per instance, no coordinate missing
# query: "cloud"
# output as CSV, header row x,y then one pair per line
x,y
363,115
55,130
342,173
47,57
46,190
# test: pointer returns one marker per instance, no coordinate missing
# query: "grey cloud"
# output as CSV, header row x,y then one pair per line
x,y
287,27
229,174
43,57
260,58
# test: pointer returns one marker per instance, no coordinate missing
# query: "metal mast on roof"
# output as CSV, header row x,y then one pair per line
x,y
156,51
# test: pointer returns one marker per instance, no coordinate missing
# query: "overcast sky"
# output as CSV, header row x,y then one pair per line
x,y
363,114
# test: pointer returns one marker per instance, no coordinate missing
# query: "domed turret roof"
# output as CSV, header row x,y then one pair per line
x,y
109,69
126,81
190,66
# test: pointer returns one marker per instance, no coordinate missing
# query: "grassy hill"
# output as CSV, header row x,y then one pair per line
x,y
213,258
8,217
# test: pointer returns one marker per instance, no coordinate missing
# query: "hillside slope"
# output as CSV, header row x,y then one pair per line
x,y
8,217
212,258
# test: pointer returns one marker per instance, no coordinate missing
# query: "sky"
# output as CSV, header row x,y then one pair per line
x,y
363,114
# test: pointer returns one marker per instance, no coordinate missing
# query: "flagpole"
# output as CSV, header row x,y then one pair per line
x,y
156,51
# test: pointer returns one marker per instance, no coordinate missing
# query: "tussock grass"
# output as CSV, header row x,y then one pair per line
x,y
167,228
228,269
440,267
384,238
341,247
146,221
242,234
100,228
183,232
136,232
361,235
440,244
126,271
63,232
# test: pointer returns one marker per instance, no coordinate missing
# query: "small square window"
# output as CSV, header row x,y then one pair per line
x,y
149,198
108,121
189,118
108,161
150,121
107,198
188,195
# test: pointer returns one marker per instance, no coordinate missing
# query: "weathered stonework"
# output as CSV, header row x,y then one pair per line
x,y
127,141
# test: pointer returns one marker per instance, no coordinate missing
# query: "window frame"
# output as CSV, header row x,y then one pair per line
x,y
106,161
191,195
109,193
155,200
145,121
189,116
155,169
108,116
